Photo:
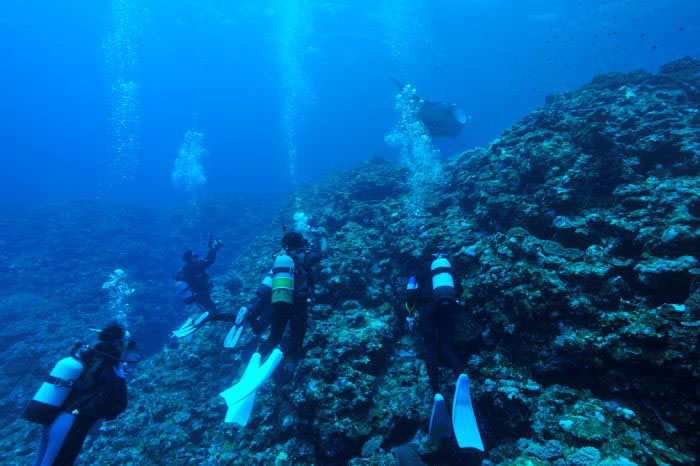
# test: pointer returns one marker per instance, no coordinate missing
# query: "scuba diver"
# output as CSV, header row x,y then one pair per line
x,y
194,287
257,315
290,293
433,297
80,390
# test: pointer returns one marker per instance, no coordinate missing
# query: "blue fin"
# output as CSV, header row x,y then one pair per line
x,y
191,325
239,411
233,335
463,419
253,378
440,420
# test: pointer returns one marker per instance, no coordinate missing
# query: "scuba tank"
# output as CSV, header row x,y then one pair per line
x,y
283,280
183,290
443,283
48,400
267,281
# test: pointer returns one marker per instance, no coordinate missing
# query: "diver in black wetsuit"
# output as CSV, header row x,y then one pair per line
x,y
99,393
291,292
433,297
194,274
259,312
293,310
194,286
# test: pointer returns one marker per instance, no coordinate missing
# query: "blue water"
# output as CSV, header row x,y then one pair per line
x,y
214,66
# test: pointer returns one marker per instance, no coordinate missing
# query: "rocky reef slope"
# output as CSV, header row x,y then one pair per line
x,y
576,236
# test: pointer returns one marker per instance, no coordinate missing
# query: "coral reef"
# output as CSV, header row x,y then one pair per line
x,y
575,236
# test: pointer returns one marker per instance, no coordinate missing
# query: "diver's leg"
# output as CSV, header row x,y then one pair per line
x,y
280,316
56,436
297,330
43,442
74,440
222,317
445,326
204,301
259,315
427,329
263,320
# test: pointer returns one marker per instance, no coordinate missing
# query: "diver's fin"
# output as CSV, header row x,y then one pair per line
x,y
233,335
241,315
188,324
201,319
463,419
191,325
239,411
440,419
253,366
249,384
184,331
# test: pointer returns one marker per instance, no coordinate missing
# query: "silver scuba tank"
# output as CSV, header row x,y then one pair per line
x,y
47,401
443,283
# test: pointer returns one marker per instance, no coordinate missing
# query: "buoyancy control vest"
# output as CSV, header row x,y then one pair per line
x,y
94,393
443,283
283,280
192,279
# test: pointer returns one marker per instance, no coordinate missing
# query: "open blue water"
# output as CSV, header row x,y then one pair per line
x,y
225,69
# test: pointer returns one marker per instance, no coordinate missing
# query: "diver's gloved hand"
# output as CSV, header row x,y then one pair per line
x,y
410,321
215,243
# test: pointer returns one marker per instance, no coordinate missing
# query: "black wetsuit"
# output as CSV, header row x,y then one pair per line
x,y
296,314
436,323
259,315
194,273
99,394
259,312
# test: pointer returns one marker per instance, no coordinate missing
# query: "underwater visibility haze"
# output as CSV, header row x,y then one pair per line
x,y
371,232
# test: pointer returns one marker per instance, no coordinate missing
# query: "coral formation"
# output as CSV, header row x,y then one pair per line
x,y
575,236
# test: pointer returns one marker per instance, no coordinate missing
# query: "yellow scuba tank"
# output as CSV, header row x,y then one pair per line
x,y
283,280
48,400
